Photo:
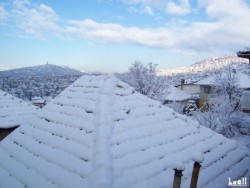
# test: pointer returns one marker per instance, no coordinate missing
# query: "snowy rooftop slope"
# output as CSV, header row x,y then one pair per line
x,y
13,111
99,132
243,80
175,94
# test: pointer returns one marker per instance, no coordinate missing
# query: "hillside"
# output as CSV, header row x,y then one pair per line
x,y
40,71
208,66
205,68
45,81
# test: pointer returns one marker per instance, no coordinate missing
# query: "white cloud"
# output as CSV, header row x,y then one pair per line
x,y
116,33
145,6
3,13
222,10
148,10
133,10
145,2
197,36
233,19
180,9
47,9
35,20
229,28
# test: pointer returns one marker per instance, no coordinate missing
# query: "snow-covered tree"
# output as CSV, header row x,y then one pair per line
x,y
222,114
220,117
144,79
177,106
190,108
226,83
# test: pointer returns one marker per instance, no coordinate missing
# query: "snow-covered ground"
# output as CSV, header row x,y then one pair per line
x,y
244,140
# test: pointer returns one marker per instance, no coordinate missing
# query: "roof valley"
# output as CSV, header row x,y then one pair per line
x,y
102,170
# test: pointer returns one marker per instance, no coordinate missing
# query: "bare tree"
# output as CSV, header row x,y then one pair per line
x,y
226,83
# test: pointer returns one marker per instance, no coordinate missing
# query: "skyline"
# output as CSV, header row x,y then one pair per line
x,y
109,35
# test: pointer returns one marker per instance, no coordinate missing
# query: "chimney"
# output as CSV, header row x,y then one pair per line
x,y
177,178
178,174
195,175
198,159
182,83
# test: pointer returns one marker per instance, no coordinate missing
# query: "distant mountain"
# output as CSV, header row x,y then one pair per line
x,y
40,71
208,66
204,69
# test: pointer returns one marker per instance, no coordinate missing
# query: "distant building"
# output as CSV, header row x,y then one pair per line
x,y
189,87
38,101
176,95
206,86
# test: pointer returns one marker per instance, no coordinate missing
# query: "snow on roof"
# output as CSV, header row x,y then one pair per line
x,y
99,132
13,111
175,94
38,100
243,80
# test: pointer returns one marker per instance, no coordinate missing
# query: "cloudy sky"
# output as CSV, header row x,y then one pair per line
x,y
108,35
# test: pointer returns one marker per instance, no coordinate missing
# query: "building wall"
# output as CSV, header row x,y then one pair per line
x,y
205,93
190,88
245,102
202,104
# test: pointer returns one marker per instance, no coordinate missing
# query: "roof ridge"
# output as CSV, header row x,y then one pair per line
x,y
102,168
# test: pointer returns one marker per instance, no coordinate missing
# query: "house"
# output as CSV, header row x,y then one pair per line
x,y
189,87
99,132
38,101
245,101
13,112
206,86
177,99
174,94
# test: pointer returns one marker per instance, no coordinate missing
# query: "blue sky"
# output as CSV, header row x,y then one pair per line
x,y
109,35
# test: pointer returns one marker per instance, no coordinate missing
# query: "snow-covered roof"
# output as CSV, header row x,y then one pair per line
x,y
99,132
243,80
38,100
13,111
175,94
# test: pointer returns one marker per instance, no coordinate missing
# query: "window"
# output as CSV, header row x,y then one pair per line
x,y
207,89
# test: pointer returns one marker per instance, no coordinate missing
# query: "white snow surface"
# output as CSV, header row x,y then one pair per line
x,y
14,111
99,132
198,157
175,94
